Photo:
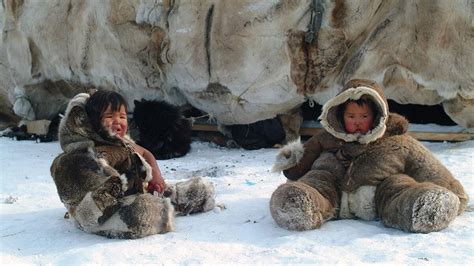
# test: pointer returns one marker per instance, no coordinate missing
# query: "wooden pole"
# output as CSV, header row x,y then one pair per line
x,y
420,135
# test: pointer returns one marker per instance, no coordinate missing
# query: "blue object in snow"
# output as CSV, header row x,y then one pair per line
x,y
249,183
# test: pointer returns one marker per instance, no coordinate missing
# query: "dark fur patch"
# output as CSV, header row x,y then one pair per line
x,y
261,134
338,14
136,175
162,129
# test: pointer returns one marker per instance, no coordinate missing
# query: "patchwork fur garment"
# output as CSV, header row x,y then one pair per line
x,y
383,174
101,181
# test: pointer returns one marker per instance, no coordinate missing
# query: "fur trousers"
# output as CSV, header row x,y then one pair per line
x,y
140,215
399,201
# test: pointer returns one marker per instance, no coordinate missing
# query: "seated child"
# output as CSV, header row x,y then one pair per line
x,y
364,165
107,111
102,176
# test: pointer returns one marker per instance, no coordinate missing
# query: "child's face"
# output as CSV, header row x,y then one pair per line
x,y
115,122
358,118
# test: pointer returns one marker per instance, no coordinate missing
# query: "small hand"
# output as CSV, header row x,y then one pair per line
x,y
286,153
158,187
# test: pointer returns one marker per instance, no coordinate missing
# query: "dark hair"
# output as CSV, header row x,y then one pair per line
x,y
361,101
98,103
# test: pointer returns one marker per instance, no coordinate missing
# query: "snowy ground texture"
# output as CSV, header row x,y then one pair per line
x,y
33,230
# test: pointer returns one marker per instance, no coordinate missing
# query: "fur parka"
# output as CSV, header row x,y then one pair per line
x,y
102,182
383,174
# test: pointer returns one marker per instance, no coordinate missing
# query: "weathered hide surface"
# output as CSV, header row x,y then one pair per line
x,y
240,61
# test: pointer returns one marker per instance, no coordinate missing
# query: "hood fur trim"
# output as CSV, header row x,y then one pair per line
x,y
75,130
335,128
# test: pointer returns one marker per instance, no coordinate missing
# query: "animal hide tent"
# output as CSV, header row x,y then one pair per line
x,y
239,61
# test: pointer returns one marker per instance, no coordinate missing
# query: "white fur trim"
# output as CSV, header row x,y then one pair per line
x,y
355,94
169,226
360,204
288,156
344,212
113,224
124,180
79,99
147,167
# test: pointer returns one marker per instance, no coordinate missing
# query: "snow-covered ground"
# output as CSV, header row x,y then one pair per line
x,y
33,230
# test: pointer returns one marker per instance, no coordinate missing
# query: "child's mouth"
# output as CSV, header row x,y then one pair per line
x,y
116,131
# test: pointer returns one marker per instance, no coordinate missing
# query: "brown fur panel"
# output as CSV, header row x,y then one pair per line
x,y
117,157
325,183
291,123
370,164
310,63
338,13
75,174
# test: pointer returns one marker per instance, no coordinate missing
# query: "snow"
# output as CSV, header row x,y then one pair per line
x,y
33,230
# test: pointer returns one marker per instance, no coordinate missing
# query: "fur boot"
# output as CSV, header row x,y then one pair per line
x,y
191,196
139,216
405,204
297,206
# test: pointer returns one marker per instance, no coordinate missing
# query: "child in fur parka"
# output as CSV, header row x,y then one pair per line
x,y
349,171
103,177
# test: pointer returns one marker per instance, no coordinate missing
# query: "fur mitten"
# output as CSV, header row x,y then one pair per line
x,y
140,215
288,156
191,196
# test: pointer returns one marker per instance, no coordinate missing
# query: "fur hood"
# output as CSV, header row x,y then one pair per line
x,y
75,130
354,90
